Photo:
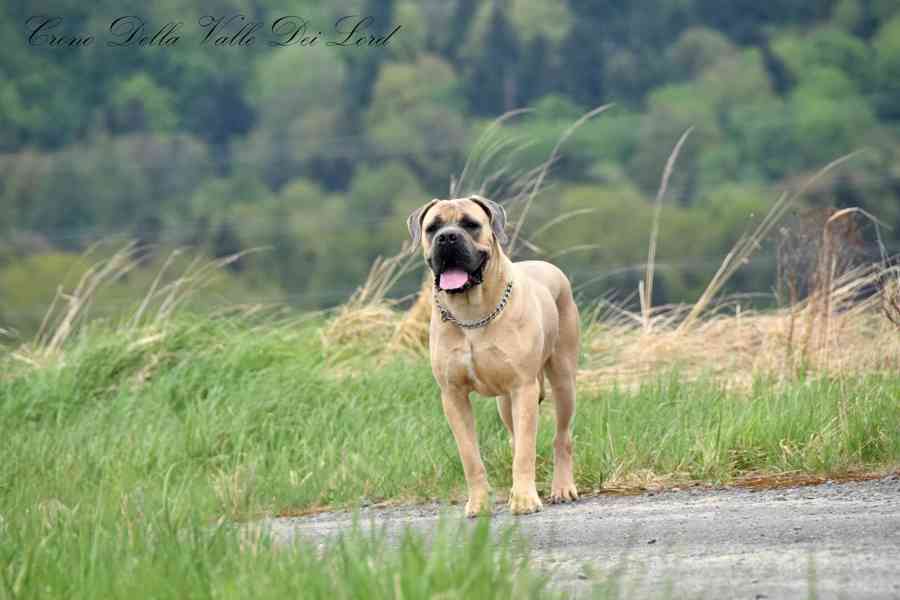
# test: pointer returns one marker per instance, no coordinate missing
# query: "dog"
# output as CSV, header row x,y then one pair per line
x,y
497,328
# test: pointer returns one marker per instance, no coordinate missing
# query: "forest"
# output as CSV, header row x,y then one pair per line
x,y
315,153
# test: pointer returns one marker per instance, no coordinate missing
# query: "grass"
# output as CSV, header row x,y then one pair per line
x,y
131,454
60,552
126,456
254,418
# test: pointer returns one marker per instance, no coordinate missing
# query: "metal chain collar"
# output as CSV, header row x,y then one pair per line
x,y
446,315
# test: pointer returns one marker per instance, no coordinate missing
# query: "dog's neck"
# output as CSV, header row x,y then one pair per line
x,y
480,300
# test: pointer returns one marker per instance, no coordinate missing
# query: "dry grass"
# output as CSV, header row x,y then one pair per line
x,y
841,332
368,322
70,310
831,333
769,481
838,327
890,297
645,289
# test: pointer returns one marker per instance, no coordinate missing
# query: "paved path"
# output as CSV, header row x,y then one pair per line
x,y
827,541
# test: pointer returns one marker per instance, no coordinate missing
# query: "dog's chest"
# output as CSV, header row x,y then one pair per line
x,y
468,363
487,368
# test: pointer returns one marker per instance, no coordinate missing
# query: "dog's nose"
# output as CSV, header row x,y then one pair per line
x,y
447,237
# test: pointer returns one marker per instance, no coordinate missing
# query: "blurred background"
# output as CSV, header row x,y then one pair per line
x,y
319,153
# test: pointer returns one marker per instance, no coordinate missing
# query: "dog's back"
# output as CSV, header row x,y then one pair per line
x,y
547,275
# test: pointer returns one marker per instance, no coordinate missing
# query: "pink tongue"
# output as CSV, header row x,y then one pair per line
x,y
453,279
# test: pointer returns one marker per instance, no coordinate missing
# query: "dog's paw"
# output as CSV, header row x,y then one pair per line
x,y
565,492
479,503
523,503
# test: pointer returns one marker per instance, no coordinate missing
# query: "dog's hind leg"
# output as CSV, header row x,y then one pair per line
x,y
561,369
563,488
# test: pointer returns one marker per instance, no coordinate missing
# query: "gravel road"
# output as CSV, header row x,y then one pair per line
x,y
827,541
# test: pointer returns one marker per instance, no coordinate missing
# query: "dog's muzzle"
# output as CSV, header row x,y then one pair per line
x,y
457,264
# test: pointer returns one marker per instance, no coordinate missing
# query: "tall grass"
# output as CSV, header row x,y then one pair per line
x,y
128,458
250,418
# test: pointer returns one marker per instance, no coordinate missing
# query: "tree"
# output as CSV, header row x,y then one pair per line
x,y
830,118
746,21
491,85
536,76
825,47
363,66
887,69
447,24
697,49
299,134
414,118
139,104
583,60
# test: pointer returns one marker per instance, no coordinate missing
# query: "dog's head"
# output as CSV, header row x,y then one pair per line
x,y
458,237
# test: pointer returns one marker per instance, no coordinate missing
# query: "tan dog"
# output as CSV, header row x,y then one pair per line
x,y
496,328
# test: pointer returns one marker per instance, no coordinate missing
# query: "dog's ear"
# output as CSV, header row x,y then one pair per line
x,y
414,222
498,217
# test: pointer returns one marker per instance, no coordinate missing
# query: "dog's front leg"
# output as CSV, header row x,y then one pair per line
x,y
458,410
523,498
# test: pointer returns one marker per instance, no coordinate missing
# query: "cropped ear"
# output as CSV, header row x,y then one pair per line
x,y
498,217
414,222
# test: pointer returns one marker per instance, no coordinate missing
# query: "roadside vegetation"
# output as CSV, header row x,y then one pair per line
x,y
130,454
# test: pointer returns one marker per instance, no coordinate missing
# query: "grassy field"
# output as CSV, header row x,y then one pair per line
x,y
129,454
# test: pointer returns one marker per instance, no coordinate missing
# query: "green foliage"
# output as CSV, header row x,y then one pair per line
x,y
848,14
413,17
294,99
139,104
413,119
607,247
825,48
887,68
493,58
533,18
117,184
696,50
608,139
830,117
219,148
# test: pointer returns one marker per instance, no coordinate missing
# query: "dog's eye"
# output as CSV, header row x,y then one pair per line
x,y
469,225
432,229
